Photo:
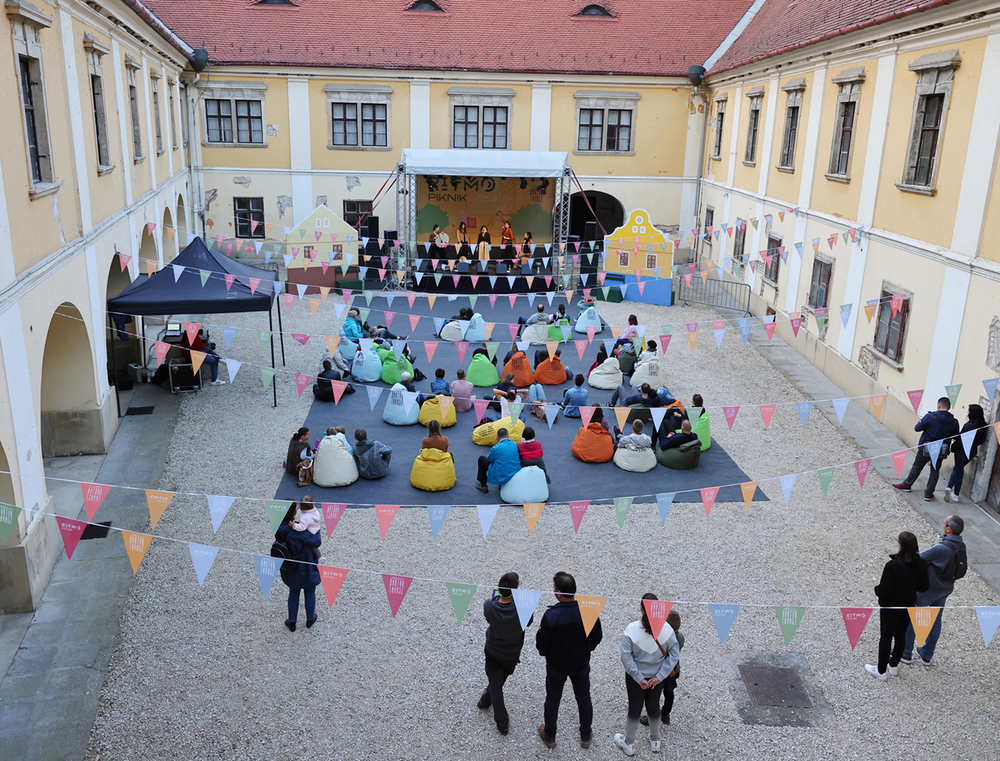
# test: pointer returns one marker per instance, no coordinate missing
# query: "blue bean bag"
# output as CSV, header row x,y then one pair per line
x,y
528,486
367,367
589,319
395,409
476,331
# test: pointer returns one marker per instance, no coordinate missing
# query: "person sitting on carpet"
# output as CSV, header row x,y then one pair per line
x,y
631,331
594,443
574,398
503,389
439,385
372,456
299,460
676,439
636,440
623,397
434,439
462,390
530,451
502,463
322,388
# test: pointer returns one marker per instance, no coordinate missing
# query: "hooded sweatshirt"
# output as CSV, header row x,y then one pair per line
x,y
937,558
504,637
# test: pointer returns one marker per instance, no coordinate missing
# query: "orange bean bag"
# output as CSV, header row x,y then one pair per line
x,y
519,365
593,444
551,372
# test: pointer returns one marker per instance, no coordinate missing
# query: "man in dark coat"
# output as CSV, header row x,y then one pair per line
x,y
504,640
937,429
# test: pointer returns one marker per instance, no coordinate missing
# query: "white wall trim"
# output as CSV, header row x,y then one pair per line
x,y
770,114
420,113
693,149
947,329
150,135
75,110
98,330
541,116
124,136
741,25
300,158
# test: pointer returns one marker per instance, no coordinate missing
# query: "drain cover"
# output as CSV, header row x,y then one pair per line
x,y
139,411
770,686
96,530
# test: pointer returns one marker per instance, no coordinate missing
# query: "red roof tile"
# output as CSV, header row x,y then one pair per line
x,y
644,37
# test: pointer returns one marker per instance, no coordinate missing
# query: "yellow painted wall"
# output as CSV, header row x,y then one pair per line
x,y
162,160
989,244
838,198
660,133
718,170
970,363
749,176
361,159
140,172
276,154
781,184
519,120
918,216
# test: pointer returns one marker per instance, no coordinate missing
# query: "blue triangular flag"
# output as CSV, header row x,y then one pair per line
x,y
267,569
723,617
664,501
989,620
233,366
525,600
438,324
218,507
389,296
609,345
551,413
967,438
623,287
991,387
845,314
486,515
493,281
362,272
787,482
804,408
228,334
373,395
744,324
549,295
840,406
719,333
934,450
202,556
531,299
437,514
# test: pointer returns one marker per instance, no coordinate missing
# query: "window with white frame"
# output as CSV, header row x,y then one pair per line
x,y
154,86
739,242
935,73
95,51
819,286
481,117
790,134
358,117
131,67
171,86
606,122
184,115
709,224
890,329
26,26
234,114
848,99
719,123
756,95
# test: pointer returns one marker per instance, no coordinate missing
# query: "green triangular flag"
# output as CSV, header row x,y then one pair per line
x,y
400,262
368,297
344,267
622,505
825,476
789,619
8,519
437,278
491,348
267,376
204,277
363,313
845,236
952,392
264,337
515,409
754,221
607,290
667,329
460,595
472,300
276,510
663,247
302,233
820,322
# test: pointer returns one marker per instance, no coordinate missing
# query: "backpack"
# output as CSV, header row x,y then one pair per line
x,y
956,566
281,550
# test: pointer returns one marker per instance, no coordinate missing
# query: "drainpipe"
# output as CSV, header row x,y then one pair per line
x,y
696,74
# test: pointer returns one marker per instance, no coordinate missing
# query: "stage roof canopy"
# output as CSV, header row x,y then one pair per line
x,y
457,162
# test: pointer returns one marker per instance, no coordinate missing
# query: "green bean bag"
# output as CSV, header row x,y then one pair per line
x,y
626,361
382,350
555,331
685,457
392,370
482,372
702,430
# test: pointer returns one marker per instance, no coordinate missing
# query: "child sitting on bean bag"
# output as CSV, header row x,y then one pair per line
x,y
594,443
520,367
482,372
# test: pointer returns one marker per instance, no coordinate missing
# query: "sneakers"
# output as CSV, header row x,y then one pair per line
x,y
627,749
901,487
921,661
218,383
951,496
906,661
873,670
893,671
482,487
654,745
550,742
928,497
503,730
481,705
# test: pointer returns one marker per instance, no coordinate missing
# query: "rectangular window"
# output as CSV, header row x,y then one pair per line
x,y
466,126
771,267
354,211
844,139
249,213
173,118
935,75
38,159
133,107
155,88
345,123
819,289
619,130
249,122
720,120
591,136
788,140
891,328
100,121
849,82
494,127
375,124
753,126
219,119
927,143
739,241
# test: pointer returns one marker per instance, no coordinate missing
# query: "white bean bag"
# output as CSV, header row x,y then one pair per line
x,y
333,464
395,409
635,461
606,376
588,319
528,486
647,372
476,331
452,331
367,367
536,334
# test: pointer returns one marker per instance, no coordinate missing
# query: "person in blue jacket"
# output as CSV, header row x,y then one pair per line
x,y
502,463
300,572
941,426
352,328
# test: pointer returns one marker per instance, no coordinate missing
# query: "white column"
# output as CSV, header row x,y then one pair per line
x,y
124,125
948,327
150,134
75,110
693,150
420,113
541,115
809,158
764,163
301,146
97,320
170,117
157,235
885,73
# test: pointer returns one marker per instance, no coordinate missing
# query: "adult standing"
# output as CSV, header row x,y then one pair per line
x,y
504,640
941,426
648,661
977,423
903,576
299,572
946,562
483,243
566,647
500,465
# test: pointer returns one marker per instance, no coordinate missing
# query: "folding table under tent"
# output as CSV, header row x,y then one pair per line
x,y
171,291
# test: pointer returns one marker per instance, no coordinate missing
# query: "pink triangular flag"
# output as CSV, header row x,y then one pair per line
x,y
766,412
512,297
730,413
230,279
898,459
656,613
855,620
93,496
493,300
385,514
332,512
577,511
581,346
289,300
480,406
414,319
796,324
254,282
302,381
586,413
161,351
862,466
708,498
769,327
396,588
191,330
389,317
461,347
915,397
429,347
411,297
301,337
123,260
71,531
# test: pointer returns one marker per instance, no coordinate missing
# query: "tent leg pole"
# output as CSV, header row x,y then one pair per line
x,y
281,332
114,369
274,380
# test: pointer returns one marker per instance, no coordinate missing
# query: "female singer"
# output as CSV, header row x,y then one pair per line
x,y
526,248
462,243
507,237
482,245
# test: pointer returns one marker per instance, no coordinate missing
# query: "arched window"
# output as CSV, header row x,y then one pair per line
x,y
425,5
595,10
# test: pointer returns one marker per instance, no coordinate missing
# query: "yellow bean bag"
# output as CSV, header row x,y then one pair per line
x,y
433,470
485,435
647,372
431,410
593,444
518,365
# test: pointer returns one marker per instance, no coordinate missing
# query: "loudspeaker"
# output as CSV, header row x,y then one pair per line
x,y
590,230
370,228
390,235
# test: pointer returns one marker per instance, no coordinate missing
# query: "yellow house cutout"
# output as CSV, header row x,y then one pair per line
x,y
637,245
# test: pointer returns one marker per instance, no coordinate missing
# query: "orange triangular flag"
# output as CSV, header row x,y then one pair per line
x,y
136,546
704,276
529,279
749,489
385,514
150,266
197,357
878,404
314,305
531,513
489,329
615,330
158,502
590,609
445,403
551,347
870,311
430,300
324,291
693,339
923,620
622,414
170,233
332,342
569,296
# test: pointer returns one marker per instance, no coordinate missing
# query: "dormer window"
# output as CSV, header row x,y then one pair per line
x,y
275,2
426,5
595,10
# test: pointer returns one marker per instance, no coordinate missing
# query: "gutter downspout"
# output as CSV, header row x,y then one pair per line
x,y
701,157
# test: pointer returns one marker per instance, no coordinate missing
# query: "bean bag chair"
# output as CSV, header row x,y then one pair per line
x,y
452,331
431,410
606,376
367,367
626,361
395,409
485,435
555,330
527,486
588,319
476,331
433,470
551,372
647,372
482,372
392,370
593,444
685,457
635,461
702,430
333,465
382,350
536,334
521,367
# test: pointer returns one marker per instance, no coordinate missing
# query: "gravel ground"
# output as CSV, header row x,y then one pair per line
x,y
212,673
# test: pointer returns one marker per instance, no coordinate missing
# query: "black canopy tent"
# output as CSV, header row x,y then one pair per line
x,y
171,291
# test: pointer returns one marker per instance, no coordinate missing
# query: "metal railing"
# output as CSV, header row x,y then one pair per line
x,y
722,294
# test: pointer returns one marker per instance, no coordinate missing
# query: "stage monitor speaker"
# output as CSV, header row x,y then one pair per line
x,y
391,235
590,230
370,228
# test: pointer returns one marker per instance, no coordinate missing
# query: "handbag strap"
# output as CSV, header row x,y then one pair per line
x,y
662,651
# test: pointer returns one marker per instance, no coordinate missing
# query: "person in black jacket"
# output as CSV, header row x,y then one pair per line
x,y
322,388
504,640
977,423
299,573
566,647
939,425
903,576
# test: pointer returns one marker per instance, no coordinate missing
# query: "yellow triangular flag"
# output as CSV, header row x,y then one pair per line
x,y
489,328
314,305
445,403
870,311
529,279
693,339
324,291
749,489
170,233
622,414
569,296
158,502
922,619
136,546
878,404
430,300
704,276
590,609
531,513
305,262
332,342
197,357
551,346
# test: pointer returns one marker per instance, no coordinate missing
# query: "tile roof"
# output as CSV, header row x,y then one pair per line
x,y
782,25
643,37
